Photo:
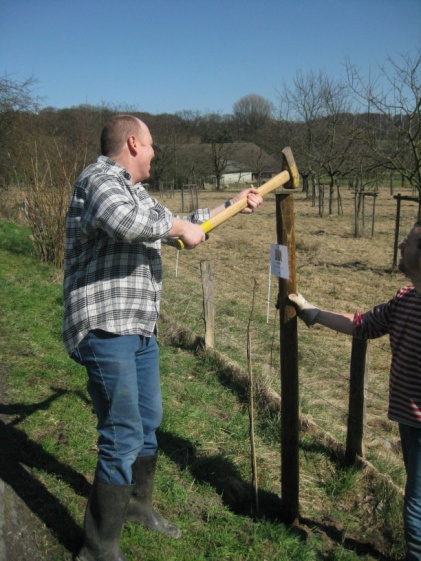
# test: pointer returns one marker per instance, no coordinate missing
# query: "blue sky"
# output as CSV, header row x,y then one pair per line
x,y
164,56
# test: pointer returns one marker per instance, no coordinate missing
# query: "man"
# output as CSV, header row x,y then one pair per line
x,y
401,319
112,289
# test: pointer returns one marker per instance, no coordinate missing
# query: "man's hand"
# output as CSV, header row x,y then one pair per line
x,y
306,311
253,199
191,234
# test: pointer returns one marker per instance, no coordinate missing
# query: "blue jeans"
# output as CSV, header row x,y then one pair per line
x,y
411,447
124,385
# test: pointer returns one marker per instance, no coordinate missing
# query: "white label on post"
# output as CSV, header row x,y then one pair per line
x,y
279,260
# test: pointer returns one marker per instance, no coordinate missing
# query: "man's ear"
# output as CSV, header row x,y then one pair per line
x,y
133,145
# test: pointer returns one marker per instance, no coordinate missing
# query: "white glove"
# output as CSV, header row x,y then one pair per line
x,y
306,311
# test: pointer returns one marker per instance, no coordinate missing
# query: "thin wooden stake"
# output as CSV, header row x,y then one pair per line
x,y
255,502
208,303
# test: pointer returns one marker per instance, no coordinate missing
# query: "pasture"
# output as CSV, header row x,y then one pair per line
x,y
336,271
346,513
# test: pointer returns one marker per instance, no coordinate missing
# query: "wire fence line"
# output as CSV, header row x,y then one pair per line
x,y
324,382
329,256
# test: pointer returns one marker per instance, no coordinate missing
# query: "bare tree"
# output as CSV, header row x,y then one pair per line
x,y
392,103
190,121
218,135
48,165
322,130
16,97
166,140
252,112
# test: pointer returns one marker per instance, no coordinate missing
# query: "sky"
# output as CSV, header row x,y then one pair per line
x,y
165,56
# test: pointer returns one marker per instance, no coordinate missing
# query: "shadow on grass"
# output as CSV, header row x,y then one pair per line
x,y
21,455
335,455
341,538
223,476
238,495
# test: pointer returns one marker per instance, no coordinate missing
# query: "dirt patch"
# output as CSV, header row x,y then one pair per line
x,y
23,536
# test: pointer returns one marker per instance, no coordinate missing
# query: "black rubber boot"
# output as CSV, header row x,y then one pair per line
x,y
140,509
104,519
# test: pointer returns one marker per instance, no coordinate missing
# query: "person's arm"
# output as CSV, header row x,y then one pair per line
x,y
189,233
124,213
310,314
253,201
343,323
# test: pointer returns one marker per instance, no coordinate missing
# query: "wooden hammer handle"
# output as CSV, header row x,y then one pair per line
x,y
240,205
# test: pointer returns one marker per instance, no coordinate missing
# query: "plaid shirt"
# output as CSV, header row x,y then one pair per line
x,y
113,269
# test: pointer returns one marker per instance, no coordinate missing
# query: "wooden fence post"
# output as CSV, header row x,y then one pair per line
x,y
289,364
400,198
397,225
373,216
357,401
208,303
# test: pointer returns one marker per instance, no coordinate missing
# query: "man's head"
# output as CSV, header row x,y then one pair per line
x,y
410,262
127,140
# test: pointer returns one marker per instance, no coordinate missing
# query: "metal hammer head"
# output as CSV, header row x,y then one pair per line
x,y
288,164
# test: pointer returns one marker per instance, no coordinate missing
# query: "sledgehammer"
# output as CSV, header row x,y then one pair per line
x,y
289,178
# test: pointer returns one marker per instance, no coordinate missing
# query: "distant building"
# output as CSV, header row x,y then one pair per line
x,y
237,162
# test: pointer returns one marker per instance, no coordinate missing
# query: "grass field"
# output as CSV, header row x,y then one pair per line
x,y
334,271
346,513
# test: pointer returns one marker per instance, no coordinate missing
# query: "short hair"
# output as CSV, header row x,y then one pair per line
x,y
116,132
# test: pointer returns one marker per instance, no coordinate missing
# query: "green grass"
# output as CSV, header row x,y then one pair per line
x,y
204,444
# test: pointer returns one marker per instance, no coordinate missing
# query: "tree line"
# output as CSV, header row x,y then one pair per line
x,y
348,128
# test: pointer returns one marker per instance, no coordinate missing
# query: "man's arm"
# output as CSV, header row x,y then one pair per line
x,y
189,233
192,234
253,201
